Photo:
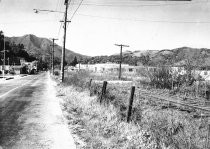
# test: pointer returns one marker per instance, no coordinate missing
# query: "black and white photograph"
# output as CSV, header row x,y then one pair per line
x,y
104,74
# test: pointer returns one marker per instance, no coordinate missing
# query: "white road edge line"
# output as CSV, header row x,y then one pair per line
x,y
17,87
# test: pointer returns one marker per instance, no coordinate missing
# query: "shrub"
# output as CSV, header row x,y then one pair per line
x,y
6,71
56,73
161,77
79,79
12,72
165,78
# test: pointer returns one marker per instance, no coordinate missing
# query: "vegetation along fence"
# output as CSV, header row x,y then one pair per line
x,y
198,108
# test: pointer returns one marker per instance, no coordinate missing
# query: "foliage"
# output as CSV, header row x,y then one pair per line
x,y
78,79
56,73
160,77
14,52
197,57
145,60
103,125
74,62
128,59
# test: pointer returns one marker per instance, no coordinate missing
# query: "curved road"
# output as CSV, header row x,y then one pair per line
x,y
30,116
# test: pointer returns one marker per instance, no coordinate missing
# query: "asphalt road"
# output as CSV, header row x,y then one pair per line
x,y
30,116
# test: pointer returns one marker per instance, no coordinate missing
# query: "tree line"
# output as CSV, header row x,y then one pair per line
x,y
14,52
126,59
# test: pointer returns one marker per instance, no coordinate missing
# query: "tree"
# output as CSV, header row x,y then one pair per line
x,y
145,60
74,62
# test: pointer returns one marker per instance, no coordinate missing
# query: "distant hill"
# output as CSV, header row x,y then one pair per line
x,y
198,57
40,47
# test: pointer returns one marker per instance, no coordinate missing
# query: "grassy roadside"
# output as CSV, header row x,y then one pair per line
x,y
100,126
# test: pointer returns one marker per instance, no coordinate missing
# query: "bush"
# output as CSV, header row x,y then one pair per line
x,y
165,78
161,77
12,72
79,79
24,70
6,71
56,73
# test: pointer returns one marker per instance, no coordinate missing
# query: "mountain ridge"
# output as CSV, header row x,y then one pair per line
x,y
41,47
199,57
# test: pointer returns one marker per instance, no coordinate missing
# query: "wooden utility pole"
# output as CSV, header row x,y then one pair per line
x,y
120,72
53,50
4,63
4,57
64,41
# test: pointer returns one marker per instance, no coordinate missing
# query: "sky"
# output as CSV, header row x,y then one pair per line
x,y
99,24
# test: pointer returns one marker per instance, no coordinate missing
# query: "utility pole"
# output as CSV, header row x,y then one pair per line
x,y
53,39
64,42
121,46
3,68
4,58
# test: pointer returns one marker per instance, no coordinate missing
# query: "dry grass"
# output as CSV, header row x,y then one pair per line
x,y
99,126
104,126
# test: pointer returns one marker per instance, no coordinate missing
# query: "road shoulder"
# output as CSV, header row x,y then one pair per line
x,y
43,123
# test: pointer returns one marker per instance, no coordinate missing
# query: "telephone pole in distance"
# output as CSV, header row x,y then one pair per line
x,y
64,41
53,50
121,46
4,60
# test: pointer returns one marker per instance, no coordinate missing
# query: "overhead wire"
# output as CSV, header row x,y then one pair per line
x,y
61,24
19,22
76,10
74,13
58,6
135,5
143,5
143,20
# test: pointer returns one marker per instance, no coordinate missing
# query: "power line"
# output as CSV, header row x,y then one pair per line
x,y
27,22
60,27
56,8
143,20
142,5
76,10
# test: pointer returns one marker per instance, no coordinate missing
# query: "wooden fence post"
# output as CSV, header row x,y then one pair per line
x,y
130,104
205,89
103,91
207,139
208,95
89,86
